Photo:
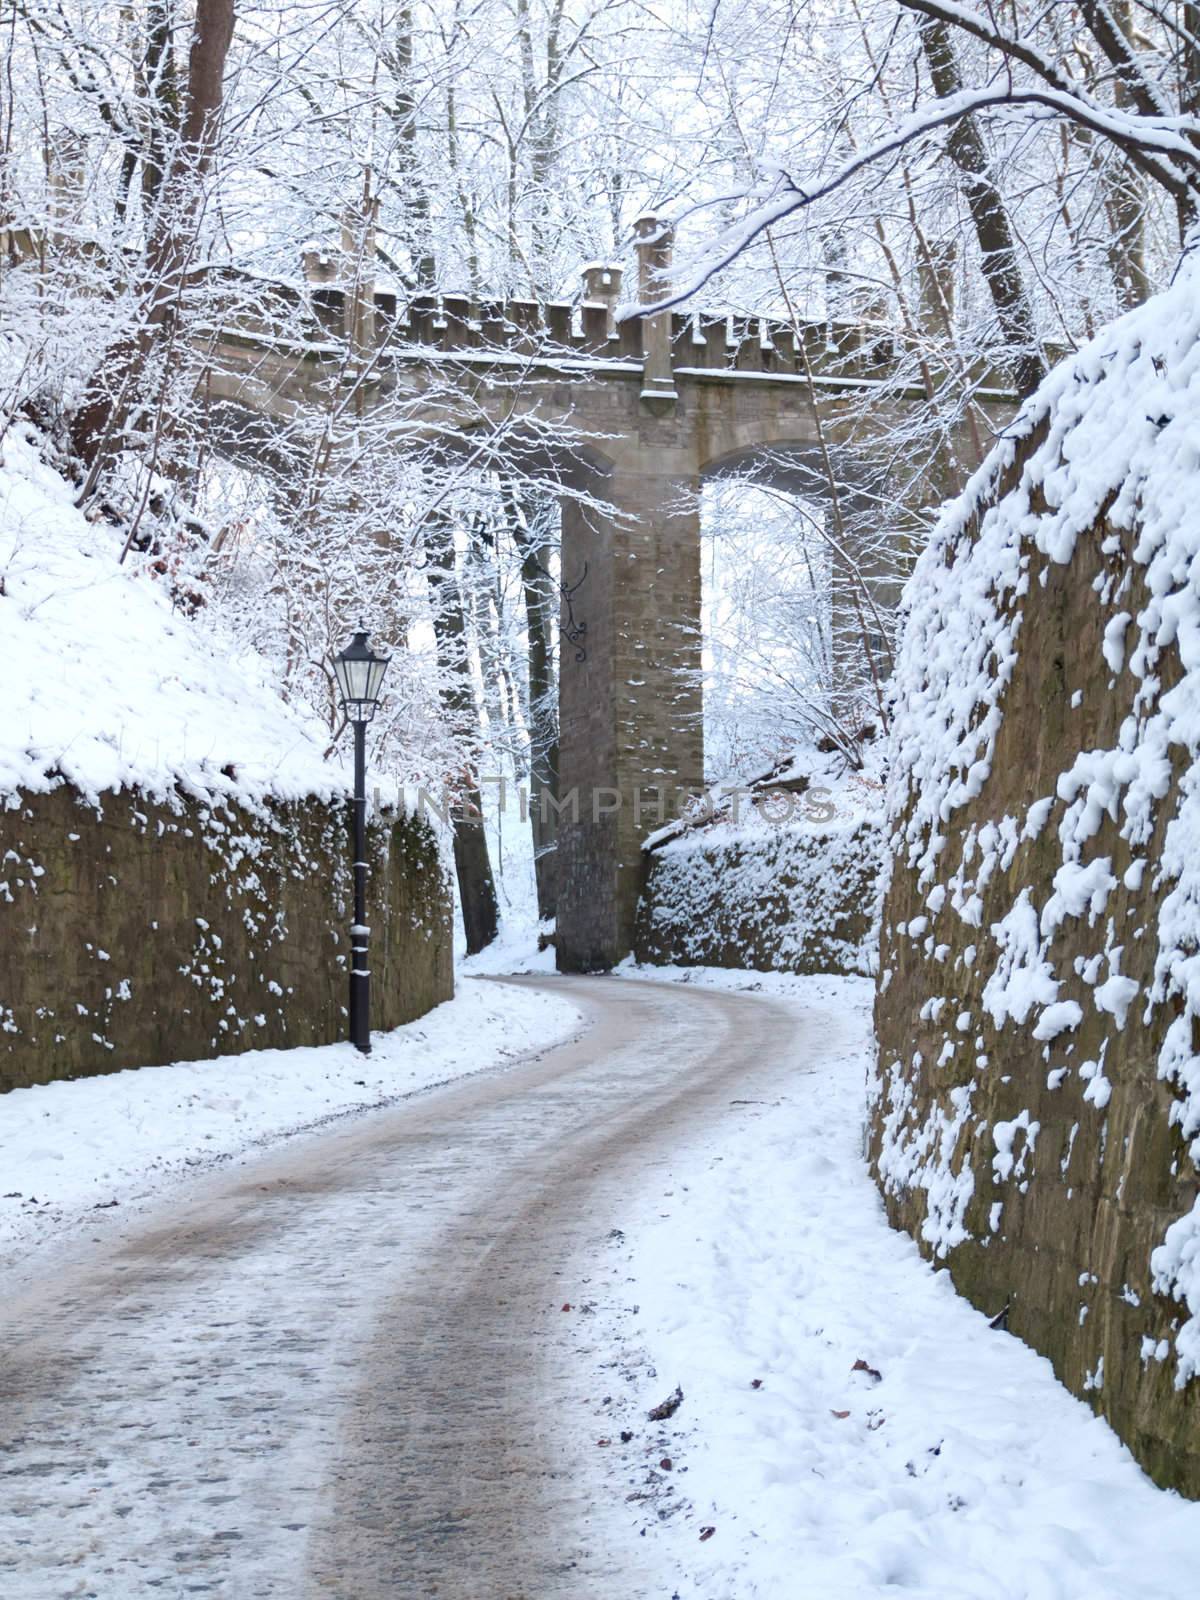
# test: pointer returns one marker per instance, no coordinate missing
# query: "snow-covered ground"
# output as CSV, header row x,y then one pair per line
x,y
513,950
850,1427
70,1149
108,686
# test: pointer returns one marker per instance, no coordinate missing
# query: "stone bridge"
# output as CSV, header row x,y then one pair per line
x,y
637,412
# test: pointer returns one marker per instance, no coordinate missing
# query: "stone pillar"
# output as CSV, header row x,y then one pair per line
x,y
935,274
654,241
320,268
631,732
602,287
66,167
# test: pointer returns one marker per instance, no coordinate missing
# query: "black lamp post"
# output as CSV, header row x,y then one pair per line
x,y
359,672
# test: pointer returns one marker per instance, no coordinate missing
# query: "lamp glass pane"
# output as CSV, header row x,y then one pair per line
x,y
359,677
375,677
342,676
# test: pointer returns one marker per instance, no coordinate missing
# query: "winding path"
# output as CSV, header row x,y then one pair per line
x,y
335,1370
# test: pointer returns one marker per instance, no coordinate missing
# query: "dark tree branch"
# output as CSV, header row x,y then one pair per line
x,y
997,249
1144,94
1144,98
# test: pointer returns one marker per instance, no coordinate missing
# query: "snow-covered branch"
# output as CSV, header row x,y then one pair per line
x,y
1157,146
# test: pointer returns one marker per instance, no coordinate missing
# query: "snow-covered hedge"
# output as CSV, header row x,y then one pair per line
x,y
797,897
1037,1104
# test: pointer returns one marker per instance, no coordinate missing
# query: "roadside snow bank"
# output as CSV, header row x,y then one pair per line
x,y
66,1148
950,1464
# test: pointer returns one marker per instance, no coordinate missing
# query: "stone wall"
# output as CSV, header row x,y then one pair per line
x,y
136,933
779,899
1034,1111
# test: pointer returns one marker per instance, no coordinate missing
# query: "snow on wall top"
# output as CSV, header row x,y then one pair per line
x,y
105,686
1113,430
1120,421
810,793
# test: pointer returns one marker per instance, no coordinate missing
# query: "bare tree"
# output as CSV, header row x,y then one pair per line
x,y
176,166
1149,124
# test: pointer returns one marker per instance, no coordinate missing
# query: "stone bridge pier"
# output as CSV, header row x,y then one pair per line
x,y
631,742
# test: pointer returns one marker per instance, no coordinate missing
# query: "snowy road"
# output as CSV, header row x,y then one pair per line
x,y
334,1372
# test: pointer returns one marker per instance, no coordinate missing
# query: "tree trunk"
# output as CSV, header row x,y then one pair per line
x,y
476,885
160,91
1125,199
178,209
1125,204
998,256
415,199
1189,93
541,608
473,869
113,395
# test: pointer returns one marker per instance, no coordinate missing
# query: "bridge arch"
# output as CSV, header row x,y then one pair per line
x,y
656,407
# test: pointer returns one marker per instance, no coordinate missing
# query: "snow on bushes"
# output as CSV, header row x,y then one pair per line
x,y
777,880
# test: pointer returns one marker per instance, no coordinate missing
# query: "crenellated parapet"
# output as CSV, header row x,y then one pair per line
x,y
588,329
700,342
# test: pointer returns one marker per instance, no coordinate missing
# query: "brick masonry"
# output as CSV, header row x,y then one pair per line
x,y
1059,1240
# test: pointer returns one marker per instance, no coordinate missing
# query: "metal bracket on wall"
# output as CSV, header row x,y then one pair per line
x,y
573,631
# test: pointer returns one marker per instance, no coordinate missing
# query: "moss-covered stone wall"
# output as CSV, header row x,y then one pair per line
x,y
781,899
134,933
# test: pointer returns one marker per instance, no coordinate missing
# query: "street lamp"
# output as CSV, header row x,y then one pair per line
x,y
359,673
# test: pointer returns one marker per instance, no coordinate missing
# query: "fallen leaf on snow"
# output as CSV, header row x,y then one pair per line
x,y
668,1407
